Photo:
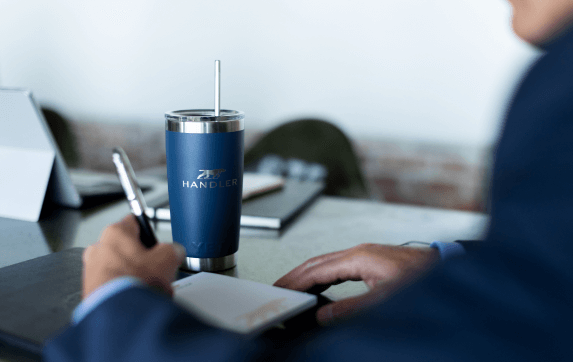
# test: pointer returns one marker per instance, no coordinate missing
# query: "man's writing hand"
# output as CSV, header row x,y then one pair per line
x,y
384,268
120,253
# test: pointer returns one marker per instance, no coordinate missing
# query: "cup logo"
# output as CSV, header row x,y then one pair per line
x,y
210,174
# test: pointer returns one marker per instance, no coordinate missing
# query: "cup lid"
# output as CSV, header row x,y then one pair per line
x,y
204,121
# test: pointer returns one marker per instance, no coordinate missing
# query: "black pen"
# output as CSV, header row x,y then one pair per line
x,y
134,196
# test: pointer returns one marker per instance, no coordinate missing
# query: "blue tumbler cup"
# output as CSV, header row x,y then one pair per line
x,y
205,177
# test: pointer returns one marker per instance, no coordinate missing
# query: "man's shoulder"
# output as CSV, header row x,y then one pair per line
x,y
543,102
550,78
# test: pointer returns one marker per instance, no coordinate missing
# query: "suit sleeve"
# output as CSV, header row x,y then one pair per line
x,y
470,246
139,324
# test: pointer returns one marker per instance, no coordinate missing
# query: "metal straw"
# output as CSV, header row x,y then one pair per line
x,y
217,87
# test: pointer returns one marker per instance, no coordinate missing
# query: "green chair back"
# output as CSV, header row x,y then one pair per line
x,y
314,140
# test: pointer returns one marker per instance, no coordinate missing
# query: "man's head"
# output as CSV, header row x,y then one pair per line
x,y
538,21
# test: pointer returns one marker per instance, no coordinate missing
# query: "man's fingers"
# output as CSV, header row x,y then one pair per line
x,y
318,274
302,278
290,280
123,236
164,260
119,252
126,227
86,254
348,307
344,260
167,255
129,224
180,252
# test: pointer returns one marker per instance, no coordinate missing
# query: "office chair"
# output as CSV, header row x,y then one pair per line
x,y
315,141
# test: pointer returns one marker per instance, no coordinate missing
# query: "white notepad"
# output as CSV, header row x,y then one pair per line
x,y
239,305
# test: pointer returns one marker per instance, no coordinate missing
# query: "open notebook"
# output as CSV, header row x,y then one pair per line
x,y
239,305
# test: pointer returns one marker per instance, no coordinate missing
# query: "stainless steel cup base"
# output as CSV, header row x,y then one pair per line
x,y
210,264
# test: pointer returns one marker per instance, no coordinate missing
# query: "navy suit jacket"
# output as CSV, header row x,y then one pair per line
x,y
511,299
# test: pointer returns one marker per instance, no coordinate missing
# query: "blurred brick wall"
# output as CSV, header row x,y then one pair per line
x,y
397,171
445,176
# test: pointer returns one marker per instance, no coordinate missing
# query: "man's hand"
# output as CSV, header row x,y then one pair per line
x,y
120,253
383,268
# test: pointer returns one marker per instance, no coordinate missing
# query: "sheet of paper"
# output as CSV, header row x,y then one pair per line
x,y
239,305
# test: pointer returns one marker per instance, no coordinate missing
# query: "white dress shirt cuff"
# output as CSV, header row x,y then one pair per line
x,y
448,250
101,294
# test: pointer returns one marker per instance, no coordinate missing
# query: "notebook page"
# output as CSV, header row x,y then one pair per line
x,y
238,305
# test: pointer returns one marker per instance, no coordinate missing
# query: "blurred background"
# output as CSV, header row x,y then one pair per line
x,y
419,86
